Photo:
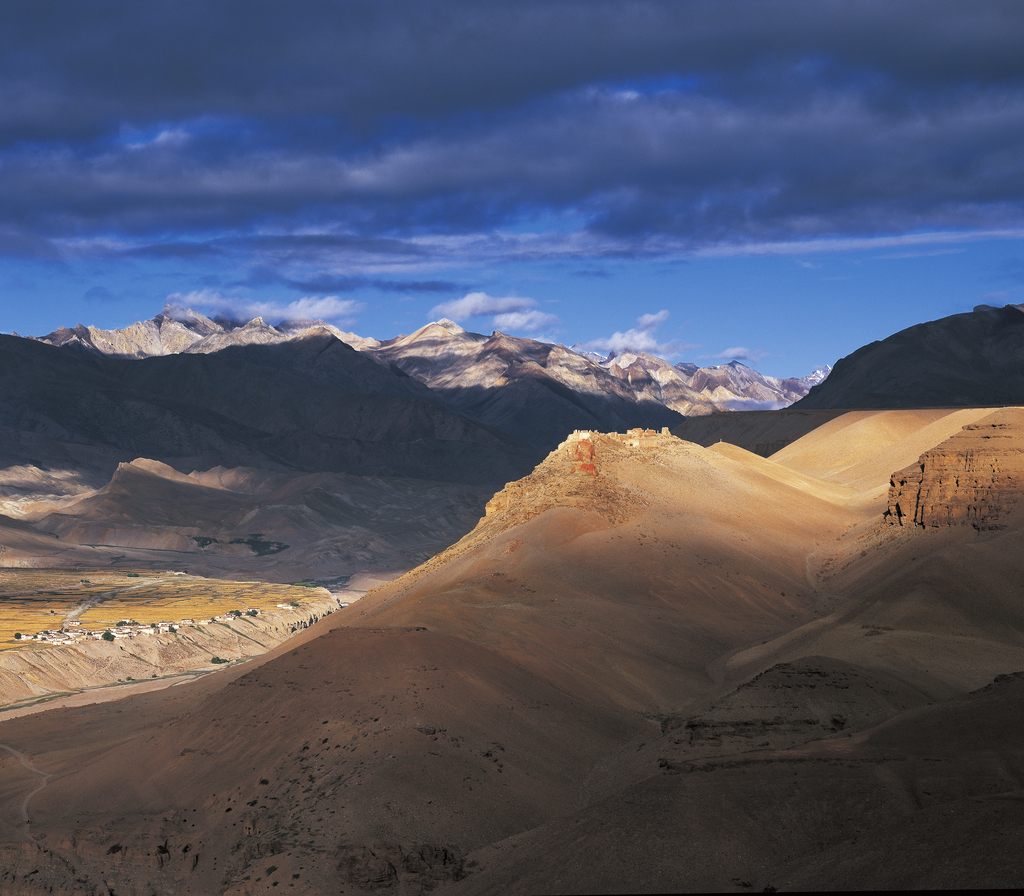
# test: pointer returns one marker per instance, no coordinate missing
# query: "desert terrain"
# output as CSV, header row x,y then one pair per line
x,y
652,666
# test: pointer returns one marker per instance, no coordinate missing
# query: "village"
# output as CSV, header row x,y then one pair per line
x,y
72,632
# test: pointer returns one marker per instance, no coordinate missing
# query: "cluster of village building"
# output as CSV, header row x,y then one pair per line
x,y
634,438
72,632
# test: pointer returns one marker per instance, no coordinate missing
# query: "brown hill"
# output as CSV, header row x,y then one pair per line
x,y
243,523
760,432
966,360
651,667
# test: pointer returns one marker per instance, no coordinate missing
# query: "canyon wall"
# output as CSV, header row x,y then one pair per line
x,y
974,478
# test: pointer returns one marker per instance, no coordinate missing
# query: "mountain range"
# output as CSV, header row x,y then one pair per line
x,y
626,662
456,362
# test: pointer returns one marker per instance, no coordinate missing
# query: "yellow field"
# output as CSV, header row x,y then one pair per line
x,y
35,599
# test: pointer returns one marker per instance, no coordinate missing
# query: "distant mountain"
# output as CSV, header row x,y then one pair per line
x,y
621,389
310,403
179,330
966,360
538,391
697,391
735,386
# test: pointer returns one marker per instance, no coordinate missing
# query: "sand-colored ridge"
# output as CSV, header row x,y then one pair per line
x,y
861,448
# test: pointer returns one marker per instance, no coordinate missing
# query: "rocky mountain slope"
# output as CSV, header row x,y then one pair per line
x,y
539,390
698,391
178,330
966,360
639,627
333,454
310,403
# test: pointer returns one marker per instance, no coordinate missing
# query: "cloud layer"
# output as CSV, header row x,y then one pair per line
x,y
366,137
328,308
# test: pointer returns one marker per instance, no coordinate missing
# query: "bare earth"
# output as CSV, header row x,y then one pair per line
x,y
660,668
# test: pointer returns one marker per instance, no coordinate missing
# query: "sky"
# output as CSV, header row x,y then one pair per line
x,y
772,182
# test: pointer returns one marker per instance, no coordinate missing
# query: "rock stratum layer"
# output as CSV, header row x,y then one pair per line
x,y
976,478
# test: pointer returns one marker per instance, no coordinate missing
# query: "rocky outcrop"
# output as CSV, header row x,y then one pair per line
x,y
975,478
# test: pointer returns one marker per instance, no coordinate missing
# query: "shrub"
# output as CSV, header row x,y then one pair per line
x,y
132,575
217,659
17,636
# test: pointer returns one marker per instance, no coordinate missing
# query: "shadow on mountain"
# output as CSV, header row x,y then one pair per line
x,y
966,360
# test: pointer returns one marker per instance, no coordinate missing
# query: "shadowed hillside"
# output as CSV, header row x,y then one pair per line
x,y
966,360
311,404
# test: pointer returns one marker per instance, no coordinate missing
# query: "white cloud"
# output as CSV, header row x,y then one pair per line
x,y
639,339
652,321
479,304
527,321
329,308
170,137
632,340
739,353
508,312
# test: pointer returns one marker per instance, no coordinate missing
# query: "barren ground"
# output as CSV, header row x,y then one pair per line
x,y
699,669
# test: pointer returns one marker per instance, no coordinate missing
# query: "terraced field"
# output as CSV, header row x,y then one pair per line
x,y
32,600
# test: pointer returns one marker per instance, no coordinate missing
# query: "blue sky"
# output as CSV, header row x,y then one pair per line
x,y
776,182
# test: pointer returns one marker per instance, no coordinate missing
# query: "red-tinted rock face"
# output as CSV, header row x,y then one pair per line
x,y
975,478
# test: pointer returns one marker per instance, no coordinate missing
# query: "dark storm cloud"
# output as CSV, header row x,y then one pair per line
x,y
317,131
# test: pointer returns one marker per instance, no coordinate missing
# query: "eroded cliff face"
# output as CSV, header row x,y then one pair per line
x,y
975,478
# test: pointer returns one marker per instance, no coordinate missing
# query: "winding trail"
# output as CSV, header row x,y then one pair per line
x,y
45,779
